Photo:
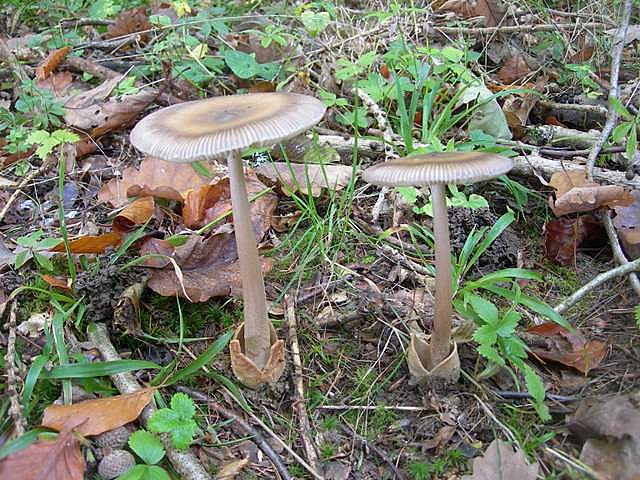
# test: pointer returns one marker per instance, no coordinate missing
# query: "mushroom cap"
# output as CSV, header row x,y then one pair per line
x,y
430,168
218,126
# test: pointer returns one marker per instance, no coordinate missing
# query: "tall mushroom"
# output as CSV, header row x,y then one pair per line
x,y
439,358
223,127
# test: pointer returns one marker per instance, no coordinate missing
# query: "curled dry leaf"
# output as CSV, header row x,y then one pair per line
x,y
563,236
574,193
128,22
612,432
91,243
94,417
514,68
209,267
552,342
480,8
136,213
63,283
500,461
627,223
211,201
55,58
155,178
230,470
298,177
58,459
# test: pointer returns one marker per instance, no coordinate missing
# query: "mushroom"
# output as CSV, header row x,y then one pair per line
x,y
223,127
439,359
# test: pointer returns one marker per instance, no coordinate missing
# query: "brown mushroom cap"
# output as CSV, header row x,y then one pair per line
x,y
214,127
430,168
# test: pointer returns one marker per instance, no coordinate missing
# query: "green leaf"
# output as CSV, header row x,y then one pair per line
x,y
621,109
164,420
38,137
97,369
65,136
490,353
315,22
485,335
409,194
367,59
514,348
484,308
183,405
477,201
508,323
156,473
16,444
139,472
33,375
22,258
621,131
147,446
43,261
243,65
632,144
535,387
203,359
182,435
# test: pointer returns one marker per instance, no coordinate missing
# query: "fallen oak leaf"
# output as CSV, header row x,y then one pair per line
x,y
209,267
136,213
91,243
155,178
58,459
128,22
232,469
513,69
98,416
500,461
567,348
574,193
563,236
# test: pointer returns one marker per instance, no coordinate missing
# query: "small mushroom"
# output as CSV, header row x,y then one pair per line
x,y
223,127
438,359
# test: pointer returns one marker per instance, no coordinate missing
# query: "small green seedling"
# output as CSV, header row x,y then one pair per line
x,y
627,129
48,141
149,448
456,198
177,421
35,246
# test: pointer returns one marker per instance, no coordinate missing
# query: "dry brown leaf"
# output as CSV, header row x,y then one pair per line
x,y
627,223
490,11
91,243
128,22
514,68
156,178
209,267
94,417
62,283
49,64
136,213
58,459
552,342
58,83
574,193
612,431
563,236
501,462
294,177
230,470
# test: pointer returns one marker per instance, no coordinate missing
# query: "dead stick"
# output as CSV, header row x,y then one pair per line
x,y
612,114
185,462
298,383
242,425
617,250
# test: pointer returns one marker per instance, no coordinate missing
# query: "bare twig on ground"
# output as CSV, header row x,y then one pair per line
x,y
612,114
396,408
244,427
185,462
617,250
318,289
373,447
525,28
15,407
596,282
298,383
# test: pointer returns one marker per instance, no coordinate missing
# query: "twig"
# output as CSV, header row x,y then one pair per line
x,y
396,408
243,426
318,289
298,399
525,395
363,441
185,462
596,282
525,28
15,407
612,114
617,250
45,164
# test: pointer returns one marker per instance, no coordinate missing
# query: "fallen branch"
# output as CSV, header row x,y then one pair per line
x,y
185,462
244,428
612,114
523,165
298,399
617,250
596,282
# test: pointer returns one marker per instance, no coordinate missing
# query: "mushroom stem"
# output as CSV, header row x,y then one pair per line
x,y
441,337
257,341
